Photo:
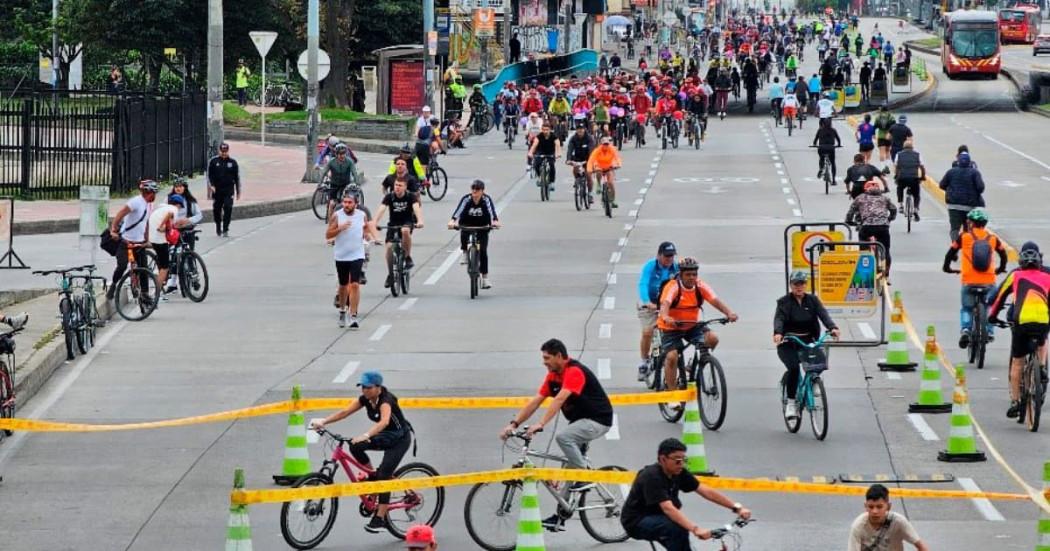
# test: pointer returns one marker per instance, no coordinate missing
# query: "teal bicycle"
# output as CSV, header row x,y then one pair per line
x,y
811,394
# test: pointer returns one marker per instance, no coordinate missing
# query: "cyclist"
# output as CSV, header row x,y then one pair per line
x,y
560,108
546,148
859,174
578,150
814,87
909,172
476,209
826,109
791,65
603,160
1030,314
790,105
977,268
328,151
776,97
866,138
681,305
798,314
341,172
574,391
879,528
872,212
478,105
16,321
899,132
132,221
533,127
654,274
405,211
162,219
883,122
411,161
826,140
401,172
391,433
963,188
652,509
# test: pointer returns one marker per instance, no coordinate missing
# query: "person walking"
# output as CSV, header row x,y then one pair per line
x,y
963,188
242,75
878,528
348,228
224,183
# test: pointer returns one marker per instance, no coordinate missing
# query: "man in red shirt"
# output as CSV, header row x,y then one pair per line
x,y
533,103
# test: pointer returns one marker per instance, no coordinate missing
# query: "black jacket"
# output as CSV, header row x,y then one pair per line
x,y
224,175
805,318
963,185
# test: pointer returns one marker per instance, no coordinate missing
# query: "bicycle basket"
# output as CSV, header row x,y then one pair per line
x,y
813,360
7,345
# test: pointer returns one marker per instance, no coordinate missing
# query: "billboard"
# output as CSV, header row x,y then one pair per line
x,y
407,87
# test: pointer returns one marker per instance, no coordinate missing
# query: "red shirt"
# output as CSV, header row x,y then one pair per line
x,y
666,106
533,105
641,103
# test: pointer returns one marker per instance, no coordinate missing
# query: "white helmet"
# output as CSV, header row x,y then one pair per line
x,y
332,141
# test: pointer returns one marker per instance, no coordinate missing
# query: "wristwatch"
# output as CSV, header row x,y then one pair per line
x,y
736,508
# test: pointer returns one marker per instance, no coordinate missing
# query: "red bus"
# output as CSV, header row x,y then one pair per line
x,y
971,44
1020,23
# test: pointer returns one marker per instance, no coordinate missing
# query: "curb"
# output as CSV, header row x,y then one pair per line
x,y
9,298
300,141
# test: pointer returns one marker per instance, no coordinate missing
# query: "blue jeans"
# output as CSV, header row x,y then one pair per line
x,y
662,530
965,311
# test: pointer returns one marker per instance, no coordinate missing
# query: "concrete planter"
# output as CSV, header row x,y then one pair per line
x,y
368,129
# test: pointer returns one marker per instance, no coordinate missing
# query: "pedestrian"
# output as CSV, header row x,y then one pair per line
x,y
115,81
224,183
879,529
129,228
865,80
348,228
515,49
963,189
420,537
242,75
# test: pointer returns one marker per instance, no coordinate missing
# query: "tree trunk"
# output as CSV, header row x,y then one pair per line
x,y
337,24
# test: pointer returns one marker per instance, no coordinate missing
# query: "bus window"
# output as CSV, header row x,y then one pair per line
x,y
974,42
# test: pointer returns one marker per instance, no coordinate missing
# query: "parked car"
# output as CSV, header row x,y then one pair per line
x,y
1041,44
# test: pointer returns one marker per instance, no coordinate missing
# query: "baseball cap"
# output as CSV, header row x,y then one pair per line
x,y
370,378
419,536
667,249
426,108
224,146
964,156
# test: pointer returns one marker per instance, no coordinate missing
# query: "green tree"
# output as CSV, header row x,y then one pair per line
x,y
33,23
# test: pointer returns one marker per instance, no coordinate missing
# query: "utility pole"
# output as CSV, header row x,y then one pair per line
x,y
214,76
428,25
313,33
569,10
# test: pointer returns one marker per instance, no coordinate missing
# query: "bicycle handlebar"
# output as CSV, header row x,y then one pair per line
x,y
819,342
736,526
836,147
720,321
457,227
64,271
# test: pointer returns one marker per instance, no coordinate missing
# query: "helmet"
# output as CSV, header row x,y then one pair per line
x,y
434,120
872,184
341,148
332,141
477,87
688,264
977,215
1029,257
826,95
902,119
406,149
149,186
798,276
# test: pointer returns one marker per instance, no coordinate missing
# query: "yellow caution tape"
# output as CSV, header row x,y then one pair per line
x,y
312,404
251,497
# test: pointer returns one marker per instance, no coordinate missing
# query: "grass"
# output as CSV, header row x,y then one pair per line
x,y
932,42
235,114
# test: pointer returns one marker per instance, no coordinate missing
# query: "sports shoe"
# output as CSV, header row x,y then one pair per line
x,y
17,321
353,321
376,525
553,523
915,215
1015,410
409,264
820,173
226,233
171,289
964,339
643,370
342,319
485,283
791,410
614,205
389,281
364,279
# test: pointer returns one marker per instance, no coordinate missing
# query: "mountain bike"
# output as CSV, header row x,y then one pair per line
x,y
619,132
774,111
703,368
306,523
811,394
75,308
398,275
579,186
978,346
473,253
189,267
825,171
7,377
542,174
561,127
789,121
730,532
436,183
669,132
320,203
481,120
1033,385
603,182
510,131
693,130
138,290
491,509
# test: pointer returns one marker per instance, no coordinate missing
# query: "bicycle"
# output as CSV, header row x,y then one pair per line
x,y
301,518
542,175
398,275
7,377
1033,384
481,121
473,253
669,132
138,290
978,345
727,532
510,131
825,171
774,111
606,195
320,203
189,267
76,310
579,186
493,507
694,130
811,394
619,132
704,369
790,122
436,183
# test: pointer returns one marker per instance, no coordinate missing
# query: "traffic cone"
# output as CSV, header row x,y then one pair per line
x,y
930,400
897,350
962,445
530,527
238,529
296,455
1043,543
693,437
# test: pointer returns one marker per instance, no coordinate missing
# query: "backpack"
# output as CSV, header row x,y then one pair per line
x,y
678,297
981,252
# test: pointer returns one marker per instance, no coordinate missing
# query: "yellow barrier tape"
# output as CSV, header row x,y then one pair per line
x,y
312,404
251,497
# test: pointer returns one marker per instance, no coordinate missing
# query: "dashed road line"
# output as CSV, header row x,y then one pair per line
x,y
604,368
444,267
983,505
796,212
409,303
643,191
380,332
614,257
346,372
614,430
628,227
632,213
609,303
621,242
786,190
611,280
866,330
605,331
920,424
790,201
638,201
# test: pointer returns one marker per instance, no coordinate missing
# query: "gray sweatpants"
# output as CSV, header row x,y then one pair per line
x,y
577,433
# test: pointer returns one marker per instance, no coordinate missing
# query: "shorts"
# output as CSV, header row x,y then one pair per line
x,y
790,112
864,147
673,339
390,233
884,143
647,317
1024,336
349,271
163,256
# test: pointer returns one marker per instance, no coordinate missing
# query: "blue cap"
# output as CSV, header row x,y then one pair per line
x,y
964,156
176,198
370,378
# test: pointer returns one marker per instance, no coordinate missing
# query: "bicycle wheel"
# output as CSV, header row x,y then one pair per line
x,y
136,295
151,260
491,514
80,325
792,424
545,185
7,395
790,125
404,280
670,413
306,523
90,319
319,203
193,276
981,323
908,206
697,134
473,270
438,184
711,393
818,408
606,201
1035,389
600,509
66,308
580,196
411,507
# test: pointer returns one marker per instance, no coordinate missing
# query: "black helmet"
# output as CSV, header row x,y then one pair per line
x,y
406,149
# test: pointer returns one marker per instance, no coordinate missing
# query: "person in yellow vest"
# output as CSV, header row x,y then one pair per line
x,y
451,73
242,83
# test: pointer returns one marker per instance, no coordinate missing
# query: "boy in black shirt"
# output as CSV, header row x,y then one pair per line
x,y
476,209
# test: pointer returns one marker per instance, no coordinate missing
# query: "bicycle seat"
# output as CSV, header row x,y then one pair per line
x,y
977,289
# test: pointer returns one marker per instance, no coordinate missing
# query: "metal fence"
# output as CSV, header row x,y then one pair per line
x,y
51,143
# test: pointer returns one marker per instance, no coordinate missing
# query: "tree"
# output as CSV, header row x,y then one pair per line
x,y
338,25
34,24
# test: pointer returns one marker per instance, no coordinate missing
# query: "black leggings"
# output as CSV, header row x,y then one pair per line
x,y
882,235
912,185
483,246
394,452
828,152
122,264
788,354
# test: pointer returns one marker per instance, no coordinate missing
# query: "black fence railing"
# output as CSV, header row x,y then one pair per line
x,y
51,143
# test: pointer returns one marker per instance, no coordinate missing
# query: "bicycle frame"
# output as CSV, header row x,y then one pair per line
x,y
356,472
527,452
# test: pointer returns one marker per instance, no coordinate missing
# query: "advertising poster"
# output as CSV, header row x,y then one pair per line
x,y
846,282
407,87
532,13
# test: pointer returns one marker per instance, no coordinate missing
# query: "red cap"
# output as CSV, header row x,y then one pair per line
x,y
419,536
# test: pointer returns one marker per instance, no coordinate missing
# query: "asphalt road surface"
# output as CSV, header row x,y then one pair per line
x,y
268,324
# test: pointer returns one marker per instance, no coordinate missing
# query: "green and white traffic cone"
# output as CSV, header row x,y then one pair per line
x,y
897,358
930,399
1043,542
962,445
693,438
296,455
238,529
530,523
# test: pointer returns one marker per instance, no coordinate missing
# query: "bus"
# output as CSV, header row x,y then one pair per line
x,y
1020,23
970,45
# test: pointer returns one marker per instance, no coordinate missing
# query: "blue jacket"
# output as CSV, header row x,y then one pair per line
x,y
652,278
963,185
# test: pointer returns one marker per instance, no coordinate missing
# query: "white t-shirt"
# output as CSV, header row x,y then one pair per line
x,y
790,101
891,537
532,130
156,219
826,108
348,243
133,226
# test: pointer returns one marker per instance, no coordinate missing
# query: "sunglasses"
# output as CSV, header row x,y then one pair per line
x,y
678,461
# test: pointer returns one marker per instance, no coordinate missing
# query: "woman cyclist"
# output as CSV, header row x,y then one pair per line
x,y
798,314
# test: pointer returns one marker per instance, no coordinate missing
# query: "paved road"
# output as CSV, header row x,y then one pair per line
x,y
267,325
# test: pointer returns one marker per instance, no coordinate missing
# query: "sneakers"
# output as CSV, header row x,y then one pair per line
x,y
171,289
485,283
342,319
364,279
990,339
409,264
353,321
643,370
614,205
791,410
553,523
376,525
964,339
820,173
17,321
389,281
1015,410
226,233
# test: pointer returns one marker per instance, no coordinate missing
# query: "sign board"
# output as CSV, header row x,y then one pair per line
x,y
845,282
801,242
432,42
171,53
485,22
263,40
407,87
324,65
94,210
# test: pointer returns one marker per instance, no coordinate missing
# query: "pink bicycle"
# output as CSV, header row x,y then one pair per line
x,y
306,523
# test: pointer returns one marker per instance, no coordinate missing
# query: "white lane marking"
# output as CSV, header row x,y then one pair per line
x,y
632,213
449,261
776,157
604,369
609,303
796,212
614,430
786,190
648,181
893,376
1019,152
790,201
638,201
408,304
614,257
622,241
652,173
778,165
1047,178
50,395
920,424
785,181
605,331
611,279
628,227
346,372
643,191
866,330
780,172
985,507
380,332
654,165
